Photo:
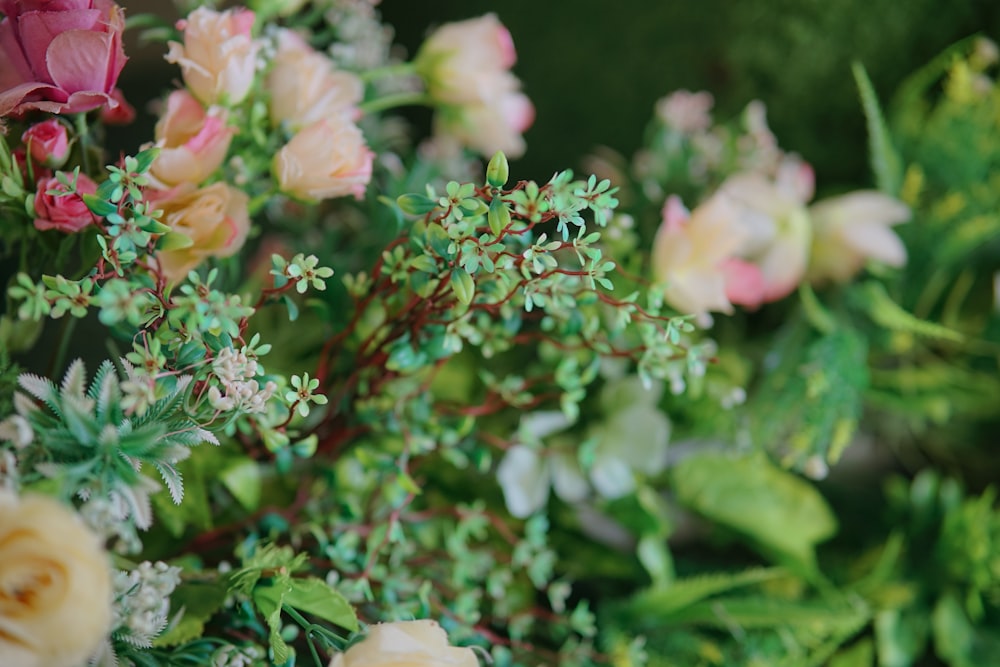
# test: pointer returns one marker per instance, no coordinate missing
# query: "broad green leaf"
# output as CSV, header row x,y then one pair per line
x,y
463,286
314,596
953,633
242,478
861,654
780,513
199,602
901,636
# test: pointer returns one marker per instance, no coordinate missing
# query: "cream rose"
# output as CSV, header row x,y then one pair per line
x,y
467,61
215,218
218,57
55,585
305,87
406,644
324,160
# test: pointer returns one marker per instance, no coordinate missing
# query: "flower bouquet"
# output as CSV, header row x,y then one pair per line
x,y
291,383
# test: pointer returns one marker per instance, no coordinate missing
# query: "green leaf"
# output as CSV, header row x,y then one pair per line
x,y
886,312
861,654
174,241
463,286
268,599
414,204
498,216
99,207
901,636
198,601
314,596
885,162
953,633
243,479
779,512
656,602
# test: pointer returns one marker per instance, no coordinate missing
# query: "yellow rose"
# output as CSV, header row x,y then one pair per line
x,y
55,585
406,644
326,159
215,218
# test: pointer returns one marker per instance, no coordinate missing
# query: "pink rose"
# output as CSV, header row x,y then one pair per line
x,y
466,66
66,213
47,143
304,86
193,142
59,56
219,57
122,113
324,160
215,218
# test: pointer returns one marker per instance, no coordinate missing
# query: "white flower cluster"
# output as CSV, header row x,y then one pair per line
x,y
237,656
363,41
236,372
107,516
142,601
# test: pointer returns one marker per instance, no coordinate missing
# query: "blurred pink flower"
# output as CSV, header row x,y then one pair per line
x,y
193,142
60,56
47,142
218,57
851,229
772,211
324,160
466,66
65,213
692,255
304,86
685,111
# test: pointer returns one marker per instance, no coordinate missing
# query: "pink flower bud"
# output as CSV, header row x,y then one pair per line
x,y
65,213
47,143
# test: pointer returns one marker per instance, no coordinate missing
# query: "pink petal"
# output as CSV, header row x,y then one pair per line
x,y
78,60
39,29
675,215
744,283
12,98
14,69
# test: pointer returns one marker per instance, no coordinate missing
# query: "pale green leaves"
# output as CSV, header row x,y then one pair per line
x,y
782,515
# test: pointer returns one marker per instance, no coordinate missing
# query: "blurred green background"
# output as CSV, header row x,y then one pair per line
x,y
594,68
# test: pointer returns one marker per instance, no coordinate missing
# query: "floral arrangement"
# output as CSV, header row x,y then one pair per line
x,y
291,384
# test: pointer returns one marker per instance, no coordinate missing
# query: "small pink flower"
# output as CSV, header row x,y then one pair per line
x,y
65,213
193,142
215,218
685,111
324,160
218,58
61,57
47,142
304,86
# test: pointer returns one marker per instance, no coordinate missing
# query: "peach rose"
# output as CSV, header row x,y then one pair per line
x,y
305,87
219,57
55,585
215,218
851,229
466,66
464,62
193,142
405,644
488,128
324,160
